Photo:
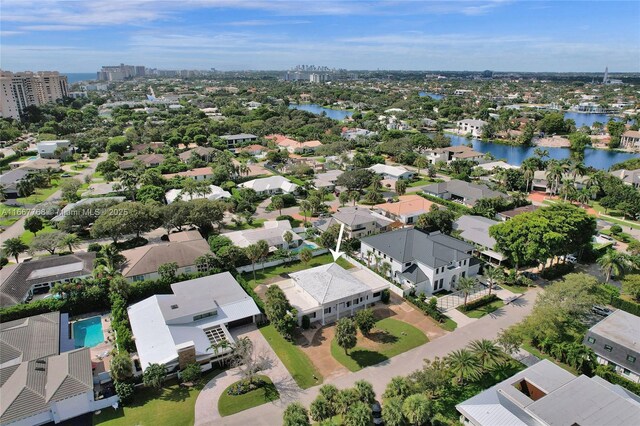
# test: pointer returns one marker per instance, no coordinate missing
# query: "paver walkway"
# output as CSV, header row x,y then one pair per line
x,y
460,318
379,375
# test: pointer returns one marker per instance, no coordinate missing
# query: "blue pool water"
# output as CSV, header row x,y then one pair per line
x,y
33,158
309,246
87,333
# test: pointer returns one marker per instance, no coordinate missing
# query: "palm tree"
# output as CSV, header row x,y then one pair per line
x,y
528,172
487,352
112,257
253,253
277,203
577,168
583,197
466,286
554,175
420,163
220,347
70,241
369,254
14,247
613,263
464,365
568,189
493,275
305,208
541,153
385,269
354,196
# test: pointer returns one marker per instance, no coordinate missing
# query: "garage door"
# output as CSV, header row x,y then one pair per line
x,y
237,323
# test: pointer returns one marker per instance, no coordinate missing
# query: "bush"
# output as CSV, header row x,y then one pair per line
x,y
286,217
3,261
558,270
95,247
132,243
306,322
385,296
484,300
430,308
191,373
125,391
615,229
626,305
244,386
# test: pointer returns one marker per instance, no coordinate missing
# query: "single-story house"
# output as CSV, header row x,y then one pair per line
x,y
493,165
293,146
615,342
233,141
463,192
475,229
391,172
425,262
271,185
540,182
407,209
358,222
257,151
201,152
11,179
199,174
329,292
545,394
148,160
37,164
327,179
142,263
18,282
180,328
272,232
214,193
47,149
510,214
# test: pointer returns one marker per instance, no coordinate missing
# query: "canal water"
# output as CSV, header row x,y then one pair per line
x,y
431,95
336,114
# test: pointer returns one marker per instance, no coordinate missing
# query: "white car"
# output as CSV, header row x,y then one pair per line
x,y
571,258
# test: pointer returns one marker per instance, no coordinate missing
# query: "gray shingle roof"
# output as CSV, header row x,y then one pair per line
x,y
29,338
471,192
327,283
409,244
476,229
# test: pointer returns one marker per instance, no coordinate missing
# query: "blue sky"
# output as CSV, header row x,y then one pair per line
x,y
505,35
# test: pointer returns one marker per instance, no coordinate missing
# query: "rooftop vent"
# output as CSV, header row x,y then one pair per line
x,y
41,361
174,306
40,369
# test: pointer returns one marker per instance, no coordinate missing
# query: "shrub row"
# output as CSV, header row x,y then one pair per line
x,y
430,308
478,303
616,379
120,323
558,270
626,305
450,204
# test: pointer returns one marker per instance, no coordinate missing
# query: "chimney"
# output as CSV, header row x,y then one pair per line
x,y
186,354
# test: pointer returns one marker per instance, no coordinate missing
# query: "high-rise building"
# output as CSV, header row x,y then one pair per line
x,y
23,89
120,72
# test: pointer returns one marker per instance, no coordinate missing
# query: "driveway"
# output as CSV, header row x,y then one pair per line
x,y
379,375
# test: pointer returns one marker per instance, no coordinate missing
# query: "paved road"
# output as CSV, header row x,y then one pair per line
x,y
379,375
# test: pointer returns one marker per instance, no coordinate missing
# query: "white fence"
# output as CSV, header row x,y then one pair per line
x,y
101,404
392,287
270,263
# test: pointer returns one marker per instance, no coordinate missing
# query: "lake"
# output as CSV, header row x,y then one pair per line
x,y
431,95
597,158
336,114
583,119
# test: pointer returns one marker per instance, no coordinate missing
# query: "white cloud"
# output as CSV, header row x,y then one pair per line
x,y
53,28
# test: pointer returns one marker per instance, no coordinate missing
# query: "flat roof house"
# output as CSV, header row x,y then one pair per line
x,y
271,185
358,222
272,232
234,140
472,126
547,395
179,328
329,292
425,262
18,282
391,172
142,263
213,193
43,378
47,149
616,342
463,192
475,229
407,209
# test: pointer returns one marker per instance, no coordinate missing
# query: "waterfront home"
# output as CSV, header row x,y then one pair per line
x,y
545,394
629,177
358,222
472,126
615,342
424,262
451,153
329,292
540,181
630,139
178,329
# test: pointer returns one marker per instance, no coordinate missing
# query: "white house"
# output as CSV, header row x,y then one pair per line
x,y
47,149
214,193
358,222
180,328
233,141
391,172
472,126
271,185
272,232
329,292
630,139
425,262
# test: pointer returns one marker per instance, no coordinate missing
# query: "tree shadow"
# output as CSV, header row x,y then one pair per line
x,y
382,336
270,392
175,394
365,358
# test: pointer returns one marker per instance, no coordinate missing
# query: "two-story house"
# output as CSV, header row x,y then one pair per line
x,y
425,262
406,210
233,141
358,222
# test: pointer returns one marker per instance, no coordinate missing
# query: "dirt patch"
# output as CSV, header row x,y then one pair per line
x,y
317,345
402,311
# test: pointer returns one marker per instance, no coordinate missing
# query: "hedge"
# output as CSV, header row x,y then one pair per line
x,y
430,309
626,305
558,270
484,300
616,379
450,204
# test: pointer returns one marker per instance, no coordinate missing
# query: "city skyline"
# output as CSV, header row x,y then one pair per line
x,y
257,35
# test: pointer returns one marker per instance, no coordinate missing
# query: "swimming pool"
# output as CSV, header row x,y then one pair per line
x,y
33,158
87,333
305,245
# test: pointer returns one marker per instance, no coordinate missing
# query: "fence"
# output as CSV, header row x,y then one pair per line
x,y
392,287
456,299
276,262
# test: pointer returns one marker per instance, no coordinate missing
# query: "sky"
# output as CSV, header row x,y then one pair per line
x,y
457,35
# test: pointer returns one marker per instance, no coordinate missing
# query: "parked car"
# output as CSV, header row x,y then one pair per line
x,y
376,411
571,258
606,237
65,175
601,310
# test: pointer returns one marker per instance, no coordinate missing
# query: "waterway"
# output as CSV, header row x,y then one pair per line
x,y
336,114
597,158
431,95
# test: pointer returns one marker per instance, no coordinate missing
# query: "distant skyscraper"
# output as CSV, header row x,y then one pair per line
x,y
23,89
605,80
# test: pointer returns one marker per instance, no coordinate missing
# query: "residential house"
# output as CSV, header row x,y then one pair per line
x,y
493,166
199,174
213,193
352,134
541,183
510,214
358,222
21,281
180,328
54,149
425,262
406,210
472,126
258,151
293,146
44,379
271,185
329,292
629,177
630,139
272,232
327,179
201,152
86,202
462,192
548,395
451,153
616,343
391,172
475,230
142,263
233,141
11,180
39,164
145,148
148,160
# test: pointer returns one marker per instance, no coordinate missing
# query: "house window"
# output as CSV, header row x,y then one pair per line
x,y
312,315
407,264
376,294
626,371
410,220
608,348
205,315
463,274
327,310
348,304
138,278
591,340
361,300
355,301
631,358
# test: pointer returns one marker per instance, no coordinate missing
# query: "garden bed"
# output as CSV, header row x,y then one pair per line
x,y
241,395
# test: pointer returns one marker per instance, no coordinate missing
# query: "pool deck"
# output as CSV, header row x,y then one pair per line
x,y
101,354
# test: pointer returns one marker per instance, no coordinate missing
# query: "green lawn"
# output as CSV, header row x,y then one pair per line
x,y
39,196
28,236
484,310
231,404
256,223
297,362
280,270
423,182
8,221
448,324
172,406
518,289
393,338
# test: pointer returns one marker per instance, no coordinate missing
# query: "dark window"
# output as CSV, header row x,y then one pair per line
x,y
608,348
348,304
591,340
327,310
631,358
312,315
376,294
626,371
